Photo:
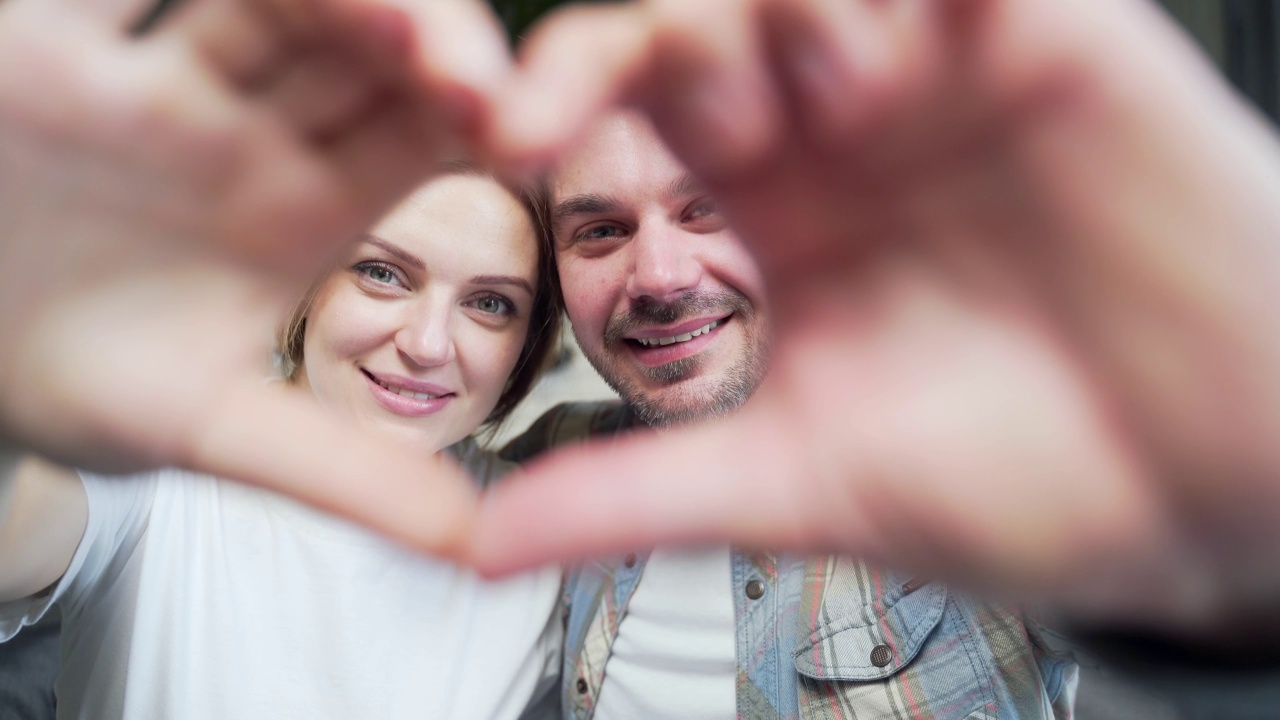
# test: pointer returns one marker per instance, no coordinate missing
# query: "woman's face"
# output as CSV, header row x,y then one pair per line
x,y
418,331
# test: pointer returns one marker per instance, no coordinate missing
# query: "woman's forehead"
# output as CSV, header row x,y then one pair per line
x,y
464,221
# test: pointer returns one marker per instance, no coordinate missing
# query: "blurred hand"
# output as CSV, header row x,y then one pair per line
x,y
166,199
1022,266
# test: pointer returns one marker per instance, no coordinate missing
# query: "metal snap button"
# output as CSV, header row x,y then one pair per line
x,y
881,655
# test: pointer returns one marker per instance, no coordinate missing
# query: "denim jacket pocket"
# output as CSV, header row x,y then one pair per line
x,y
878,645
872,642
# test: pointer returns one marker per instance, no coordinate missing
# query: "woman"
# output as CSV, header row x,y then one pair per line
x,y
186,596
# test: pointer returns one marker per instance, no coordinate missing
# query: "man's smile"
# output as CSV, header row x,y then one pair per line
x,y
683,337
660,346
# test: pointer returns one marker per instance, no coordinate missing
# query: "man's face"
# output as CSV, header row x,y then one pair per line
x,y
665,300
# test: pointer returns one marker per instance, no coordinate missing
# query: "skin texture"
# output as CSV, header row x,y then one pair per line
x,y
639,261
439,293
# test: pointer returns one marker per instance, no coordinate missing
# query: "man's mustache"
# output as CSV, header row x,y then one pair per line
x,y
646,313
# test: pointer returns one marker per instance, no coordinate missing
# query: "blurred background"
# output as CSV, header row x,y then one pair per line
x,y
1240,36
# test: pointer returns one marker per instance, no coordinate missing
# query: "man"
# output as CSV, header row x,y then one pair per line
x,y
670,307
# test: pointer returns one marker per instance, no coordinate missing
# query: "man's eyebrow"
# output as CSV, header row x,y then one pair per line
x,y
503,280
587,204
411,260
684,186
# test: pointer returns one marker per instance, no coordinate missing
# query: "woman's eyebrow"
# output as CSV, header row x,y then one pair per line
x,y
411,260
503,280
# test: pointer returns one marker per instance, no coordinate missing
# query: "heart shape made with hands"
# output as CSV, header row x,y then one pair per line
x,y
983,229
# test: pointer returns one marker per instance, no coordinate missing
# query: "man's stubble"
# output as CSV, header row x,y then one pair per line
x,y
683,405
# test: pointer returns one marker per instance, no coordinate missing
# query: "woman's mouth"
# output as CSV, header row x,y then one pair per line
x,y
407,397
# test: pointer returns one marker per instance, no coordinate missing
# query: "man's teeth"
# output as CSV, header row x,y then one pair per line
x,y
406,393
655,342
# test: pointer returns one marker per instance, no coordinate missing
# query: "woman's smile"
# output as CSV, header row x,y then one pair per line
x,y
406,397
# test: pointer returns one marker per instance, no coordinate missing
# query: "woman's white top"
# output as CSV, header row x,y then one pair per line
x,y
191,597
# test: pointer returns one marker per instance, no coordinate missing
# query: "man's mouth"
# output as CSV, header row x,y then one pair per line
x,y
683,337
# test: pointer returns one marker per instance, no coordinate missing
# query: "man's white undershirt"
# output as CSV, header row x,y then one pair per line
x,y
674,655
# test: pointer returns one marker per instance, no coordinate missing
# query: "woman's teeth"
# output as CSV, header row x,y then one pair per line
x,y
406,393
655,342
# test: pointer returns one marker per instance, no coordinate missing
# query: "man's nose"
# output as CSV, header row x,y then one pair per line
x,y
426,336
664,264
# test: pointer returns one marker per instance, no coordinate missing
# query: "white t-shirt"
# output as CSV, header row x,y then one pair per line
x,y
674,656
192,597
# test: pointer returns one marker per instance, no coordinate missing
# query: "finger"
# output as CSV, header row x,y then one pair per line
x,y
392,149
834,60
462,59
236,38
118,15
280,439
251,43
577,62
319,95
455,48
708,88
698,484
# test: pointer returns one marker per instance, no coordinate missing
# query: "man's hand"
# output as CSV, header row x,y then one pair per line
x,y
1022,265
165,200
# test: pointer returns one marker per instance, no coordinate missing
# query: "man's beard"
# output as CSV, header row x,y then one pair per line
x,y
725,395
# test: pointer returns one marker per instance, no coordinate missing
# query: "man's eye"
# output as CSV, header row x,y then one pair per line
x,y
600,232
701,209
703,216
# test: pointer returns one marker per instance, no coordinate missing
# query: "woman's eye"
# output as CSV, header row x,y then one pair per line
x,y
379,273
494,305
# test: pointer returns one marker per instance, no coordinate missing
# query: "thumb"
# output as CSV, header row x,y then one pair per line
x,y
697,484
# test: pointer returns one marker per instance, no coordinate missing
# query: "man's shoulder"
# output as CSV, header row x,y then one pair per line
x,y
569,423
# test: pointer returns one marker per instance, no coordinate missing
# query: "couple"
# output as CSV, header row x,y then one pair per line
x,y
1019,266
186,595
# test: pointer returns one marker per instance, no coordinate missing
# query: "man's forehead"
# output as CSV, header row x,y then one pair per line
x,y
622,152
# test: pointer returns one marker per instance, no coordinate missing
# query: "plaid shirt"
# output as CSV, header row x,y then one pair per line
x,y
829,637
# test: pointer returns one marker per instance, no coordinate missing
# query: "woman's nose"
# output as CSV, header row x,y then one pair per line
x,y
426,338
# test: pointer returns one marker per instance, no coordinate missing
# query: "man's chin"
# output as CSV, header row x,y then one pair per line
x,y
682,403
685,391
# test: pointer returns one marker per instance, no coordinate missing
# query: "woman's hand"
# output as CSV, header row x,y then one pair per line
x,y
165,199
